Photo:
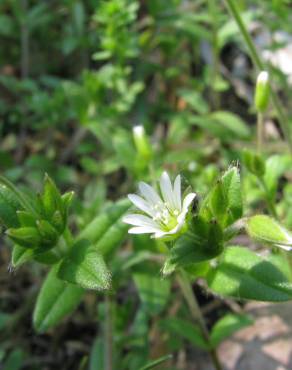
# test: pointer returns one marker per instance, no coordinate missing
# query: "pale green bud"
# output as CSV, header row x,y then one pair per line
x,y
262,92
141,142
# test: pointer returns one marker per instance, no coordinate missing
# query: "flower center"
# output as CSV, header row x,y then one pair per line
x,y
165,216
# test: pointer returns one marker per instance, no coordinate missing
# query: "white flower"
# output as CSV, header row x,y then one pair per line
x,y
166,214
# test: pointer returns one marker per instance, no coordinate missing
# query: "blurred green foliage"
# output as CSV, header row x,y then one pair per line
x,y
75,78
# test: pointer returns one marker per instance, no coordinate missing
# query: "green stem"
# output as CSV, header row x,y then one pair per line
x,y
108,334
215,51
22,200
196,313
284,123
260,132
269,201
68,237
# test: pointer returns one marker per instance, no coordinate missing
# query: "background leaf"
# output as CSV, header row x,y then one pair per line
x,y
227,326
243,274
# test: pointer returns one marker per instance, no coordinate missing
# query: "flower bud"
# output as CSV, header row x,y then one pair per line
x,y
262,92
141,142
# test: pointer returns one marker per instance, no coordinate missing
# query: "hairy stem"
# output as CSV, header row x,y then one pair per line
x,y
197,314
284,123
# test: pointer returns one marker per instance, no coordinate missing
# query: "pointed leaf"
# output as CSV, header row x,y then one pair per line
x,y
186,330
103,222
153,291
55,300
85,267
243,274
228,325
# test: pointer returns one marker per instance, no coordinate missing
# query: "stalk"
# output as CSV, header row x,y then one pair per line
x,y
197,314
108,334
283,120
215,51
260,132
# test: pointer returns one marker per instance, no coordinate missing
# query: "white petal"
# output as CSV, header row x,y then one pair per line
x,y
177,192
139,202
141,230
188,200
160,234
139,220
285,247
166,190
149,194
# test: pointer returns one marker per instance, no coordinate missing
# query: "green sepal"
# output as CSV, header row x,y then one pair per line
x,y
224,201
26,219
203,242
58,221
67,199
48,233
21,255
28,237
51,198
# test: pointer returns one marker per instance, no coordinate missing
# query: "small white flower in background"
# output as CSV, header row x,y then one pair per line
x,y
166,214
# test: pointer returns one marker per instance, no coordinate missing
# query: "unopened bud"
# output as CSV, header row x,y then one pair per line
x,y
262,92
141,142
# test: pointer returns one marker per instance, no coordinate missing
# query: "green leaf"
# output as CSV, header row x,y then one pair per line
x,y
186,330
227,326
267,230
112,238
276,166
85,267
96,359
232,189
14,360
153,291
9,205
243,274
232,122
107,231
56,299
